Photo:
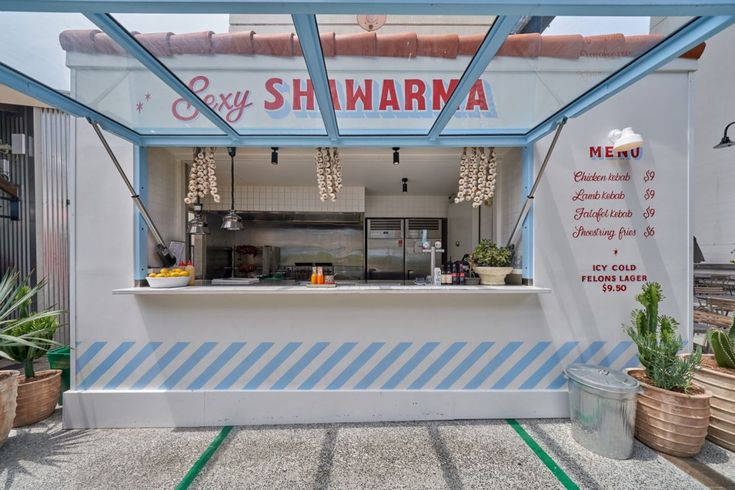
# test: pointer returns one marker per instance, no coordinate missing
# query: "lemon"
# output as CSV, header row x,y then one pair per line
x,y
163,271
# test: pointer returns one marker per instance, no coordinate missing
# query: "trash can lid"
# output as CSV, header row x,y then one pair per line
x,y
602,378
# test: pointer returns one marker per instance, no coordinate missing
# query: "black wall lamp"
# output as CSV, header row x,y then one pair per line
x,y
405,184
726,141
396,157
274,155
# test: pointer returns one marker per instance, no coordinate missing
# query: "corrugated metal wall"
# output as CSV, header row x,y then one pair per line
x,y
18,238
54,151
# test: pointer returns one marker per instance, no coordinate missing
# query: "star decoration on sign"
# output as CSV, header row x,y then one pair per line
x,y
147,97
139,106
615,252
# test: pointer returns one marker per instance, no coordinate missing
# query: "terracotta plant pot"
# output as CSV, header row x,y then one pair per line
x,y
671,422
8,392
492,276
722,419
37,398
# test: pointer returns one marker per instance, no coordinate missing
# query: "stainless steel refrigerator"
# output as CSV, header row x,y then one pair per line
x,y
394,247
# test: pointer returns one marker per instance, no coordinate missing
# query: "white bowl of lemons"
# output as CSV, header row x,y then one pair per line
x,y
168,278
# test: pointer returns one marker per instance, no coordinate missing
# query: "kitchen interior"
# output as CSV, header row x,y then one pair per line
x,y
390,216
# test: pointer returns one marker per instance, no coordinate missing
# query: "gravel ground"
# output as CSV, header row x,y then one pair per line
x,y
454,455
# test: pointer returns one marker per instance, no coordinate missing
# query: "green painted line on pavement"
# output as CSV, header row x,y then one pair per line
x,y
200,463
543,456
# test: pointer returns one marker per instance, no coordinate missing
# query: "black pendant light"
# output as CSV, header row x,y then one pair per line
x,y
274,155
726,141
396,156
405,184
232,221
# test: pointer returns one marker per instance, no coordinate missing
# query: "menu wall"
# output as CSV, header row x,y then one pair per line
x,y
607,222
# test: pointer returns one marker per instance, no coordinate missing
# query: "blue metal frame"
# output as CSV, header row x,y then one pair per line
x,y
311,46
499,31
678,43
410,7
32,88
122,37
528,173
140,234
343,141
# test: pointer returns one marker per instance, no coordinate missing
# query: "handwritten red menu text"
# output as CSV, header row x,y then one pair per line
x,y
612,207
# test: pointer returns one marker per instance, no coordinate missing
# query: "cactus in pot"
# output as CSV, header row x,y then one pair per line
x,y
672,413
717,374
722,345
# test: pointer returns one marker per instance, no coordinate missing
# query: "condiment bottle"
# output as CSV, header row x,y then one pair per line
x,y
320,275
192,272
313,279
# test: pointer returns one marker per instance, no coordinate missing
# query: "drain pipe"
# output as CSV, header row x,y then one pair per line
x,y
167,258
529,198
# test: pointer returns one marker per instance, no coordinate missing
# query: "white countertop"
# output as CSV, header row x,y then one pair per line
x,y
340,289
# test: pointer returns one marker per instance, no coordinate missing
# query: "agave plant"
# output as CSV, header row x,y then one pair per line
x,y
24,335
723,345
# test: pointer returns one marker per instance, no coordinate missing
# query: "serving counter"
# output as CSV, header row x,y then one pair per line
x,y
339,289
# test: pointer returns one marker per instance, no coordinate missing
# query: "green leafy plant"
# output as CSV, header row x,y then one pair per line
x,y
659,345
723,345
25,335
488,254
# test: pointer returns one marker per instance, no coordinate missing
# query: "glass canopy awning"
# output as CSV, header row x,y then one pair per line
x,y
335,73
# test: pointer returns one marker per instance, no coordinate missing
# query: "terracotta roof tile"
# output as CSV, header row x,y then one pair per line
x,y
234,43
394,45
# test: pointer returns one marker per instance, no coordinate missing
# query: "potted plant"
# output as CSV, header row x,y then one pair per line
x,y
672,412
491,263
717,374
26,335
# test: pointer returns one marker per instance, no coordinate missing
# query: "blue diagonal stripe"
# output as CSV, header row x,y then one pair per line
x,y
160,365
410,365
300,365
552,362
382,366
491,366
244,365
89,354
463,366
355,365
132,365
632,362
614,354
327,365
216,365
272,365
583,358
105,365
187,365
521,365
435,366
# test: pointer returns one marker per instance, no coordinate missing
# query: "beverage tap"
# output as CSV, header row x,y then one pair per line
x,y
429,248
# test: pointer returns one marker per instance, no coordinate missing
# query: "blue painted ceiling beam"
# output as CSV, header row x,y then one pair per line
x,y
308,33
415,7
485,53
32,88
678,43
122,37
344,141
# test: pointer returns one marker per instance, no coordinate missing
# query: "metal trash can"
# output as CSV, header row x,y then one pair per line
x,y
602,406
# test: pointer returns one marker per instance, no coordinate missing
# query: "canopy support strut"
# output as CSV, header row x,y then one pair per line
x,y
164,253
529,198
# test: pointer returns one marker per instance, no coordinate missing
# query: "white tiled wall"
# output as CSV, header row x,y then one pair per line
x,y
287,198
165,198
406,206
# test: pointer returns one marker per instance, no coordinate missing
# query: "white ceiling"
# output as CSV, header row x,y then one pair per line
x,y
430,171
